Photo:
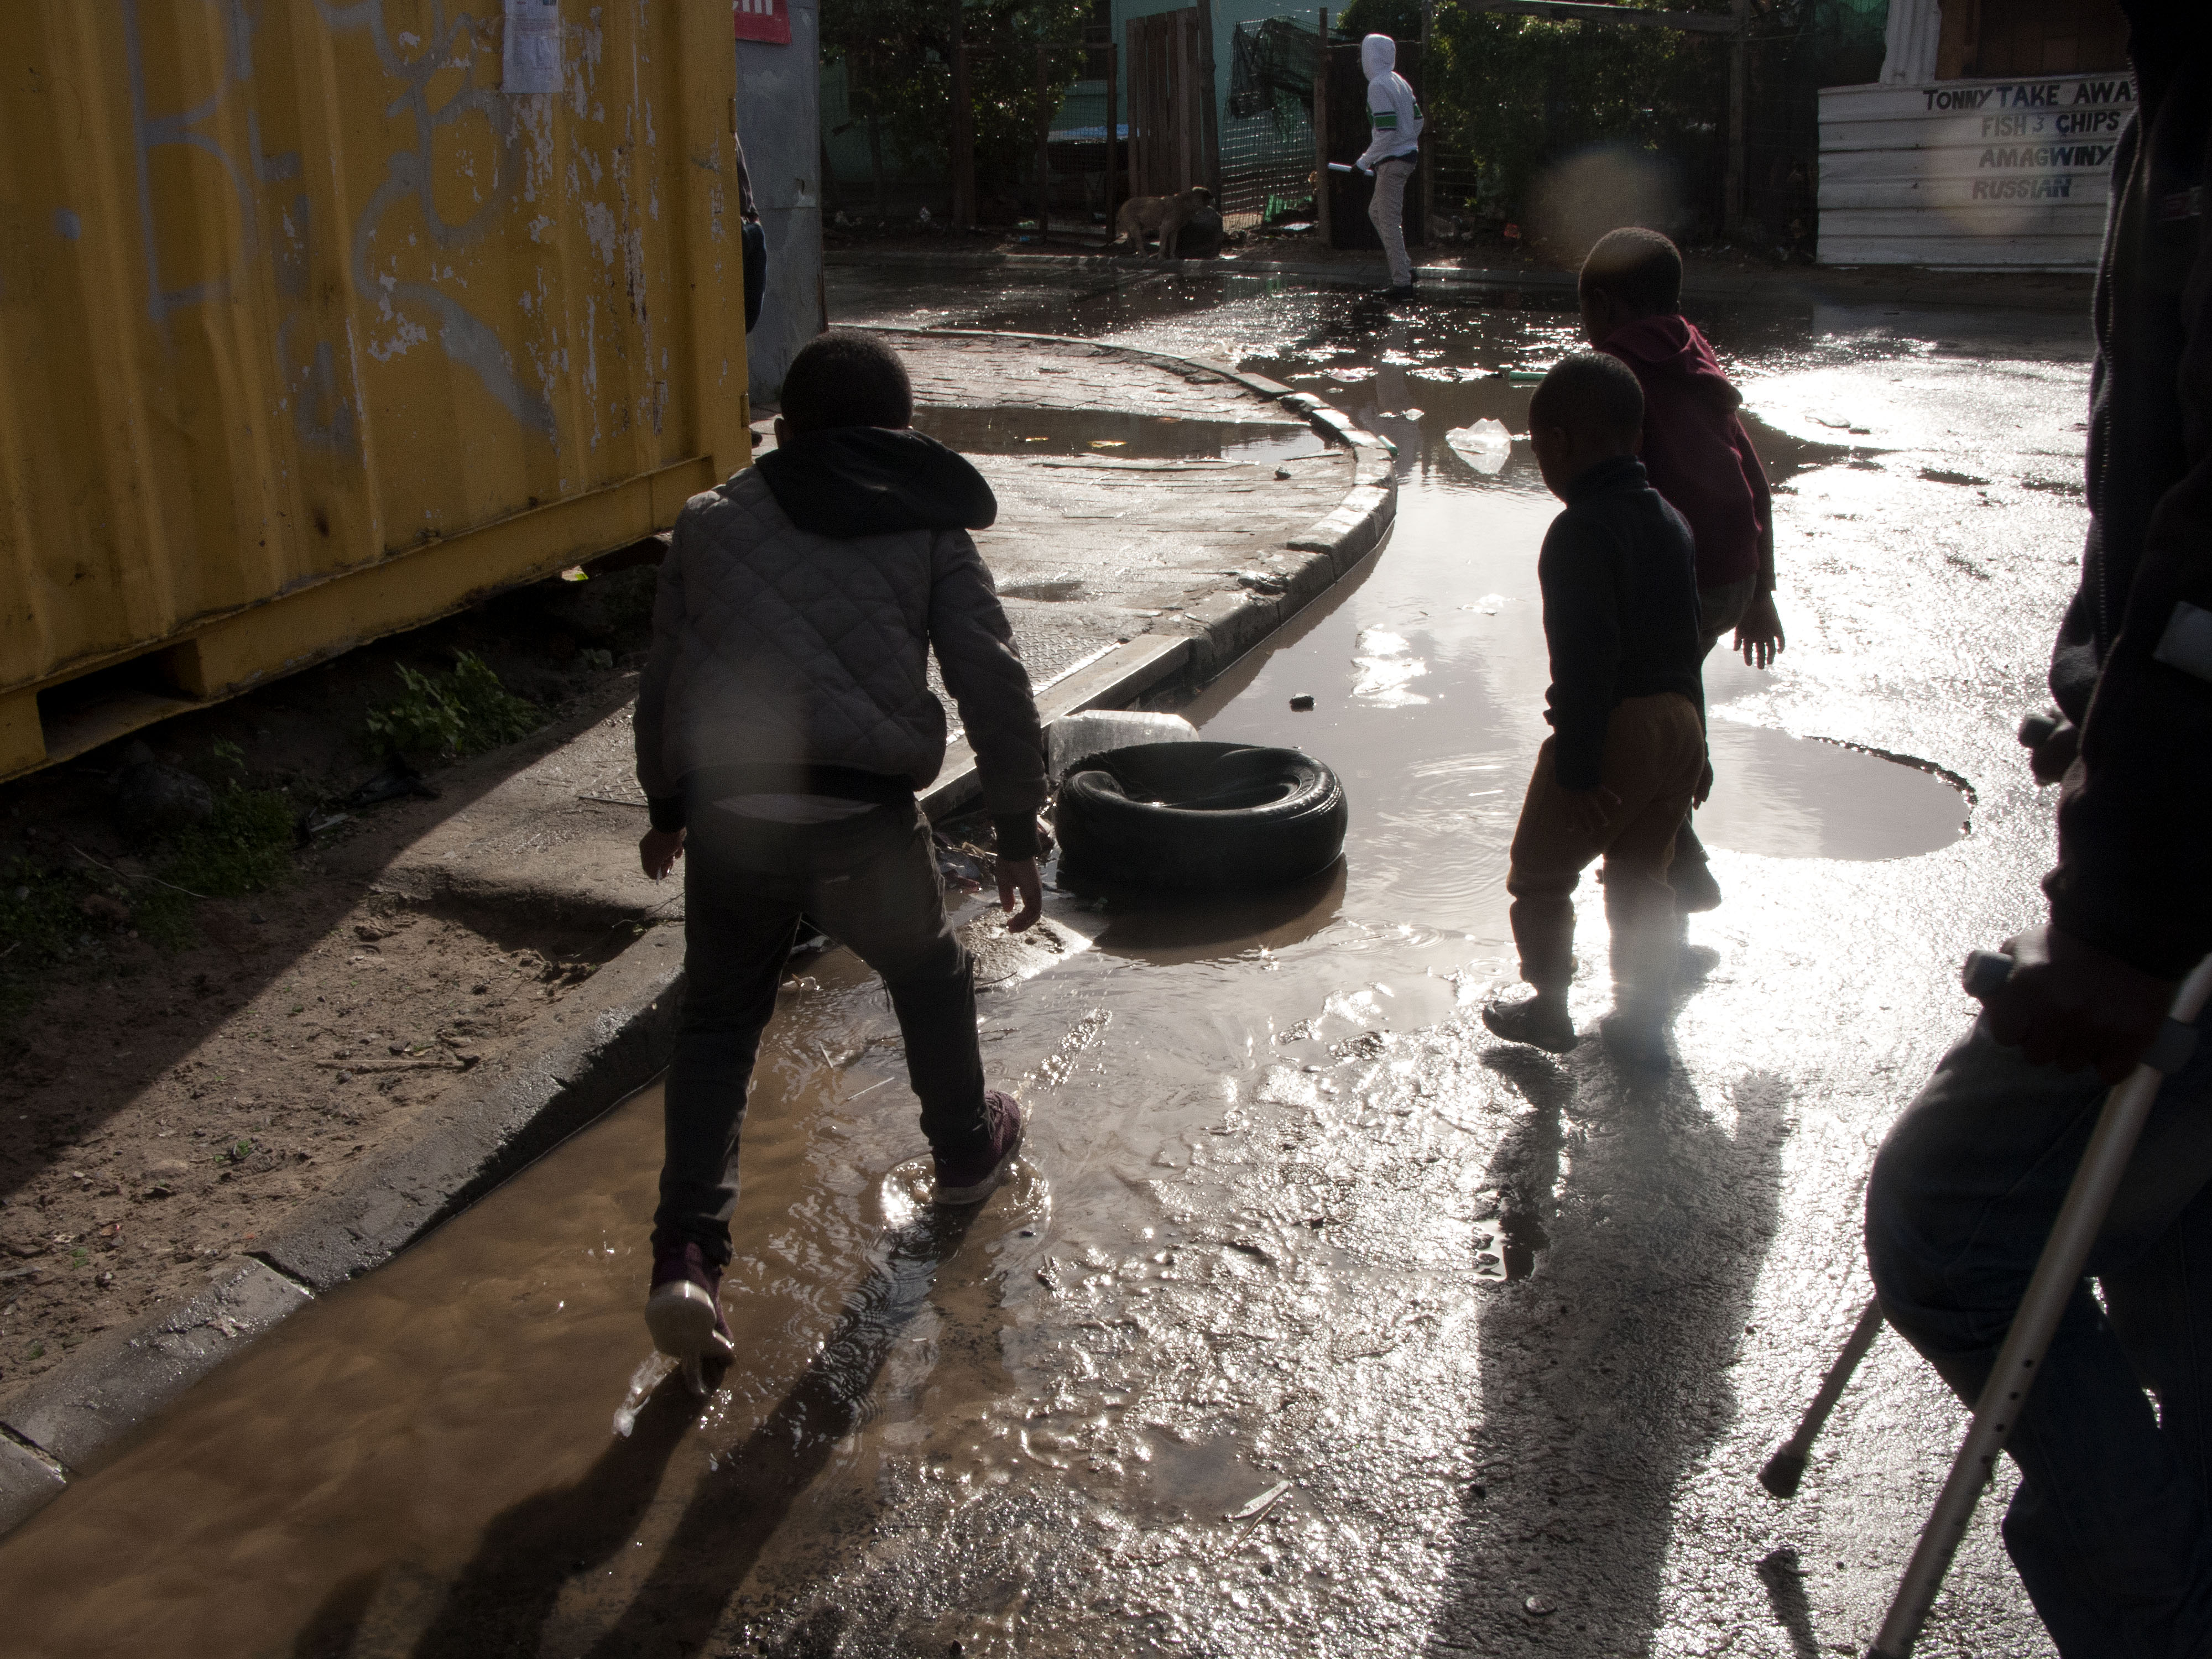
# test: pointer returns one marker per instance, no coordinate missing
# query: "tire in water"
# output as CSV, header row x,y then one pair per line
x,y
1200,815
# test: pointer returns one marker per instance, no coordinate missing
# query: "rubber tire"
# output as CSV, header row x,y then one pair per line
x,y
1199,816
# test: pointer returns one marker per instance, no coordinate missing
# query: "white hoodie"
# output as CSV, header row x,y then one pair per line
x,y
1390,106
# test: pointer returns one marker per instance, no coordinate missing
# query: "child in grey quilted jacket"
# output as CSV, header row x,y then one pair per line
x,y
784,723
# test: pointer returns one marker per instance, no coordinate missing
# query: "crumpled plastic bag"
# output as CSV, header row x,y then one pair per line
x,y
1072,737
1487,446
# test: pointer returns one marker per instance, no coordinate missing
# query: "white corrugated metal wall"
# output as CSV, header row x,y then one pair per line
x,y
2012,172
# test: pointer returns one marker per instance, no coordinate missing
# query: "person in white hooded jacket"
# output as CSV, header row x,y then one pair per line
x,y
1390,154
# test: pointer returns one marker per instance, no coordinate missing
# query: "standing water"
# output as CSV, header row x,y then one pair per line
x,y
1318,1322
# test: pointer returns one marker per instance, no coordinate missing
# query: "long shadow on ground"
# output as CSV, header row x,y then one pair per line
x,y
1604,1369
536,1550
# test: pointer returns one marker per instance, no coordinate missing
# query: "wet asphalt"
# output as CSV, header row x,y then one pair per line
x,y
1518,1332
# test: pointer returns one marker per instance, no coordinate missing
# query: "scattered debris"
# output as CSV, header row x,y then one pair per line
x,y
1259,1505
396,780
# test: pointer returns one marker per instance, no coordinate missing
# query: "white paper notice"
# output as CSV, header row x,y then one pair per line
x,y
533,60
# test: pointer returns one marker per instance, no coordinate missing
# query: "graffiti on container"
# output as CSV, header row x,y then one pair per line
x,y
462,335
323,413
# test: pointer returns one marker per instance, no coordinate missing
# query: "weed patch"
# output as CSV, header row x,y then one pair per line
x,y
445,716
41,915
53,915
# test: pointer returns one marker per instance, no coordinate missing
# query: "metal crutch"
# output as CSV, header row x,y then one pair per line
x,y
1787,1467
2058,1270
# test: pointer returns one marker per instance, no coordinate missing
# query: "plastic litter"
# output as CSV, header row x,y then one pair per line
x,y
1485,445
1072,737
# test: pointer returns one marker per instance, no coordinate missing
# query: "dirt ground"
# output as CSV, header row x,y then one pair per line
x,y
163,1104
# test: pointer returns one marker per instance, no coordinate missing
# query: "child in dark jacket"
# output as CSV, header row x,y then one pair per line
x,y
1699,456
1618,774
784,723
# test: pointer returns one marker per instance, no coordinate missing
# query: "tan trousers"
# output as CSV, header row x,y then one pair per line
x,y
1386,210
1655,748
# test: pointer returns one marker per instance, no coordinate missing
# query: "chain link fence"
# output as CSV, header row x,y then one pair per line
x,y
1267,156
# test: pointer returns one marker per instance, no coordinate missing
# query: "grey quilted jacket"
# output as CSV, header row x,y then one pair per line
x,y
775,646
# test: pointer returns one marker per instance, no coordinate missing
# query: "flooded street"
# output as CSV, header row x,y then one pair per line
x,y
1517,1332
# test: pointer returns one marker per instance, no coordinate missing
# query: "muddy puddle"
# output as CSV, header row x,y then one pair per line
x,y
1217,1367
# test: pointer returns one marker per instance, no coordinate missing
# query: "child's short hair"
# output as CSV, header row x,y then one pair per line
x,y
846,379
1640,268
1590,392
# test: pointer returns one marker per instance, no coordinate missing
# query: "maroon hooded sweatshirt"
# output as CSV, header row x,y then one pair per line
x,y
1695,449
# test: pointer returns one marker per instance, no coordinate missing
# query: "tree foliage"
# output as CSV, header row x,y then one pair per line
x,y
1399,19
1519,94
897,55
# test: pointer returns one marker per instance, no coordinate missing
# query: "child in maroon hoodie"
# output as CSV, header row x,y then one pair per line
x,y
1699,456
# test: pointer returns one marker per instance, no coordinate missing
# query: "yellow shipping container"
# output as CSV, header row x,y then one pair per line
x,y
319,319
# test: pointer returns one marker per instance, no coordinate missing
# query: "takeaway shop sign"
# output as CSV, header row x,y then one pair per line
x,y
2037,137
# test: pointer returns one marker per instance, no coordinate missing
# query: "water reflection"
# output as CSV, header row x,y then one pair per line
x,y
1162,930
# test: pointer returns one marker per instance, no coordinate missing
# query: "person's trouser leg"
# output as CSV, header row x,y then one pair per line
x,y
1548,856
740,915
2111,1530
1719,609
1386,211
876,890
1654,747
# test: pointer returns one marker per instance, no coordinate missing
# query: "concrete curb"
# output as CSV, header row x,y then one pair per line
x,y
1227,625
2062,290
605,1040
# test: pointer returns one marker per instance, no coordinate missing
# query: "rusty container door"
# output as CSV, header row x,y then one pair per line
x,y
1166,109
320,320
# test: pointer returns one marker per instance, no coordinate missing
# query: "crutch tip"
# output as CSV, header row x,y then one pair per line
x,y
1782,1472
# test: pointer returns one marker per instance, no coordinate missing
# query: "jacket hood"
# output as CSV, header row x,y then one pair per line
x,y
870,480
1378,55
1667,345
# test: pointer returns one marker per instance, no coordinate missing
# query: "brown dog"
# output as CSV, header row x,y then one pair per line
x,y
1163,217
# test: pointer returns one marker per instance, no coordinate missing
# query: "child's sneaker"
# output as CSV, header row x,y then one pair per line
x,y
683,1311
1540,1021
972,1180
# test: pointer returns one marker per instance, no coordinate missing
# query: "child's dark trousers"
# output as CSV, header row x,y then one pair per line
x,y
871,883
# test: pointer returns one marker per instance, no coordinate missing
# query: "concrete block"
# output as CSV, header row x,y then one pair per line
x,y
1232,623
1350,533
117,1380
27,1484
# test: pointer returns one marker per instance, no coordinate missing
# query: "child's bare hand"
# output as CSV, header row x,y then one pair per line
x,y
1703,792
1589,810
658,851
1758,636
1019,879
